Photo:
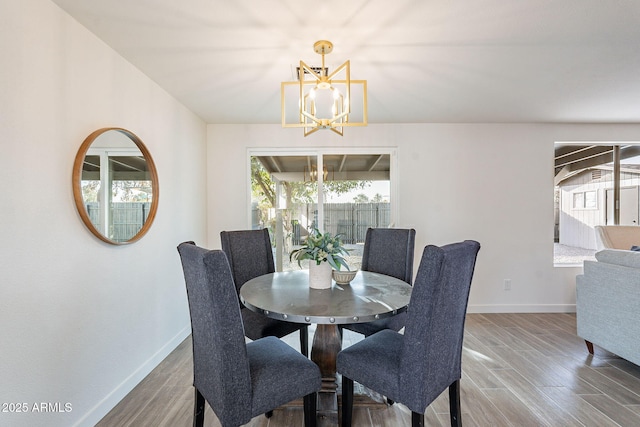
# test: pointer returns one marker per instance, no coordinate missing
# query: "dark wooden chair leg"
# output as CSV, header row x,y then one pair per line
x,y
304,341
417,419
310,402
589,346
454,404
198,409
347,401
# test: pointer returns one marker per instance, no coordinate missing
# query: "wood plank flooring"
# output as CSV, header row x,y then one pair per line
x,y
519,370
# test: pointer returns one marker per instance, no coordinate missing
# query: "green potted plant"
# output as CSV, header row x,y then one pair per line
x,y
324,252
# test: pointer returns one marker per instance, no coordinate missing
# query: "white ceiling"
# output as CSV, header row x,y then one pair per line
x,y
424,60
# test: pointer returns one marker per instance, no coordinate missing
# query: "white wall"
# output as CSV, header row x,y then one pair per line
x,y
489,182
84,321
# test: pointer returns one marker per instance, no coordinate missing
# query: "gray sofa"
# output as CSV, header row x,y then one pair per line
x,y
608,303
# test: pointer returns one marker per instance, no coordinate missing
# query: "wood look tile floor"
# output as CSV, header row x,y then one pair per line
x,y
519,370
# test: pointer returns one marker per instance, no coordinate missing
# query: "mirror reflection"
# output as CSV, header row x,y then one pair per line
x,y
115,185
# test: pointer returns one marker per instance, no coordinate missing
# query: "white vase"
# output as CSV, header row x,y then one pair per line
x,y
319,275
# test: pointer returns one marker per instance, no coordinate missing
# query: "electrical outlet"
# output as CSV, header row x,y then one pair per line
x,y
507,284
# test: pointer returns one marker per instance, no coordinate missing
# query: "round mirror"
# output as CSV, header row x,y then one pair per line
x,y
115,185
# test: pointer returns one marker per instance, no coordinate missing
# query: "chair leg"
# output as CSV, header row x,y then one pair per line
x,y
454,404
417,419
198,409
589,346
309,402
347,401
304,341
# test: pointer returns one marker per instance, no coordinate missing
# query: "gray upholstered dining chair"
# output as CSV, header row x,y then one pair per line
x,y
415,368
250,255
239,380
387,251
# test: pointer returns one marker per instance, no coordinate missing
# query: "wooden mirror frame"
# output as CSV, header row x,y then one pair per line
x,y
77,188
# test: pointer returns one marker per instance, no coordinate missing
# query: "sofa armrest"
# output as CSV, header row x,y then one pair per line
x,y
608,308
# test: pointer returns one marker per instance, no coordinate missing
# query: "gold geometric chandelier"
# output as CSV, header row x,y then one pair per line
x,y
319,100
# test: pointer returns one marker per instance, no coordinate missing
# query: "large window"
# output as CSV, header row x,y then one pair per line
x,y
338,192
590,181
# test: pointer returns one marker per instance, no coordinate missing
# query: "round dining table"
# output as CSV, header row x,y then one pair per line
x,y
287,296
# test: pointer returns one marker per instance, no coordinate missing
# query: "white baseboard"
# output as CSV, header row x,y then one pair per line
x,y
103,407
521,308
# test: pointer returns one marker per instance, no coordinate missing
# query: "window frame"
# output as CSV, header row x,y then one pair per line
x,y
584,199
319,153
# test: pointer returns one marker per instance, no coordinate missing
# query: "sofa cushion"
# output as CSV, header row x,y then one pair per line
x,y
619,257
